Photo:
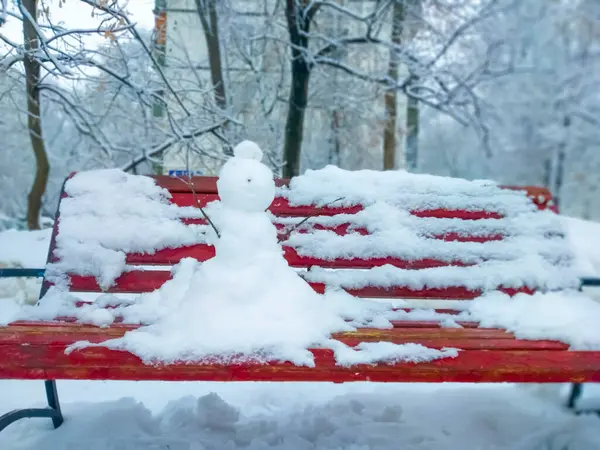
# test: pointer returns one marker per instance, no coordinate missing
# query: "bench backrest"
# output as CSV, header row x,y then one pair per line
x,y
438,252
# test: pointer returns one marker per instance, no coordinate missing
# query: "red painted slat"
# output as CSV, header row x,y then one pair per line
x,y
450,293
295,259
203,252
282,229
134,281
439,311
344,229
457,237
61,320
205,185
457,214
341,230
187,199
540,196
201,185
281,207
429,324
51,362
48,332
147,281
462,338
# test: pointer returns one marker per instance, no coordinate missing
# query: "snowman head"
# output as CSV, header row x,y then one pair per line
x,y
244,182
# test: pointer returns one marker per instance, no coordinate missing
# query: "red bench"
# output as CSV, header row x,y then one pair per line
x,y
36,350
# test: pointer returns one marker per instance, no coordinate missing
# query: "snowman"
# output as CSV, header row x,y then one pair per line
x,y
246,302
246,189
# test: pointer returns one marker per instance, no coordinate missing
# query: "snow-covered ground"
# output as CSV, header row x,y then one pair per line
x,y
194,416
585,238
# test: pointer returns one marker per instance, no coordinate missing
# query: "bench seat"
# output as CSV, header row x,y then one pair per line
x,y
36,349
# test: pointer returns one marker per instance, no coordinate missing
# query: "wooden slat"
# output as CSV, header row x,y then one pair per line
x,y
346,228
540,196
457,214
147,281
429,324
65,333
281,207
62,320
462,338
450,293
203,184
50,362
203,252
458,237
340,230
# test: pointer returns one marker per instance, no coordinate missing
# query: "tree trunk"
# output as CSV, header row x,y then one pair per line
x,y
335,154
160,50
558,180
412,134
298,21
294,126
32,76
390,145
207,10
555,165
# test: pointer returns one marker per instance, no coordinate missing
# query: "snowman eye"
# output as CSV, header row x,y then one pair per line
x,y
249,180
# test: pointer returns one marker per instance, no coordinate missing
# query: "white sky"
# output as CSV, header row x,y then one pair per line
x,y
74,14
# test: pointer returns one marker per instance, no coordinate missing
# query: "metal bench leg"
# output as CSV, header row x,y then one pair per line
x,y
574,395
52,412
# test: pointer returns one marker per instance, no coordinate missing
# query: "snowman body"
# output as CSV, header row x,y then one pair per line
x,y
249,279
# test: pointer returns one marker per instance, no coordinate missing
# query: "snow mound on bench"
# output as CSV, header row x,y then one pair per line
x,y
525,246
246,303
570,317
411,191
109,213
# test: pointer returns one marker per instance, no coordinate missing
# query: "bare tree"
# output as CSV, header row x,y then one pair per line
x,y
28,9
434,79
390,145
125,72
411,151
299,15
207,11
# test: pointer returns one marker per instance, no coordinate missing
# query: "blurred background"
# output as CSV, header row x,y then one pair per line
x,y
507,90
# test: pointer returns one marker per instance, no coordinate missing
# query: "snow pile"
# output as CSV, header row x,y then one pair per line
x,y
415,192
532,251
109,213
527,271
569,317
380,215
409,246
584,236
24,248
246,303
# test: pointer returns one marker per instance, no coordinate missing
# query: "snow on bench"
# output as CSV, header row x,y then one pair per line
x,y
382,276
